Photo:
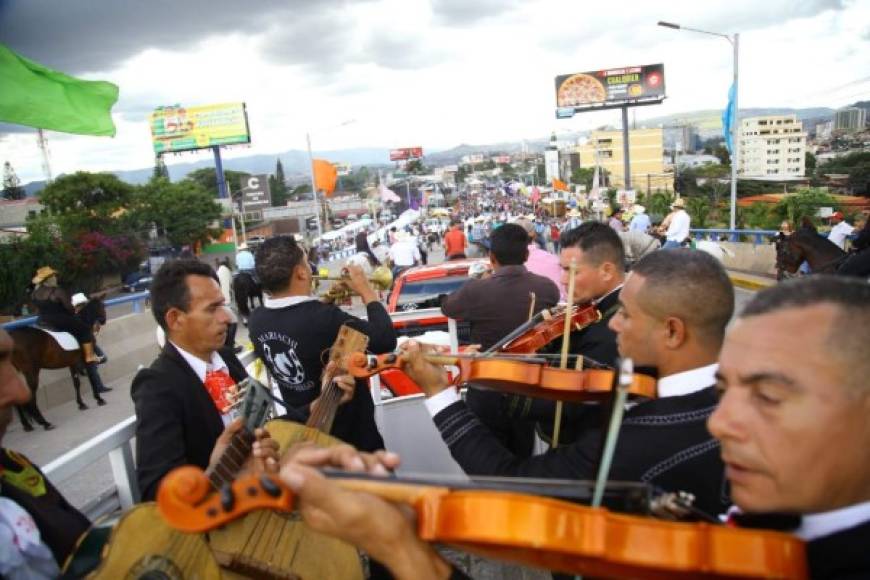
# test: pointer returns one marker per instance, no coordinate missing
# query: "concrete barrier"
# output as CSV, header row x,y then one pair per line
x,y
749,257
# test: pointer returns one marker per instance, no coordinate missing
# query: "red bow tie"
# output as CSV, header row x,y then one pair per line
x,y
220,385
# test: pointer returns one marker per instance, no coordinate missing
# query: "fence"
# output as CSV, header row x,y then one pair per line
x,y
755,236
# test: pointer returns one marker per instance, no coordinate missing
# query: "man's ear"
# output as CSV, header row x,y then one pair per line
x,y
173,319
675,332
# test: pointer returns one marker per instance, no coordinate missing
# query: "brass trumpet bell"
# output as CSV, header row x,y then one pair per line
x,y
381,279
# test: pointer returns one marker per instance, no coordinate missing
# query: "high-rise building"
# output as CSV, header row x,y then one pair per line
x,y
772,146
646,155
850,119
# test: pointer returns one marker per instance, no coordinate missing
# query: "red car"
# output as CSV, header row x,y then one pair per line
x,y
418,289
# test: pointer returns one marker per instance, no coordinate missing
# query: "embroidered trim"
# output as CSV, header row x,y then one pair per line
x,y
672,419
679,458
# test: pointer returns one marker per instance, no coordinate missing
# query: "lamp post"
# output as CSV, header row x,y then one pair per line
x,y
313,181
735,146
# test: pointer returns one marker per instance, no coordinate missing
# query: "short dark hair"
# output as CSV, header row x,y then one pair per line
x,y
169,287
599,242
509,244
850,297
691,285
276,259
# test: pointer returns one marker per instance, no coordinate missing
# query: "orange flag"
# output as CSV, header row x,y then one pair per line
x,y
325,176
560,185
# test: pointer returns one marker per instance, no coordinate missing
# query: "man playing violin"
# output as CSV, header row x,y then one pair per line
x,y
794,417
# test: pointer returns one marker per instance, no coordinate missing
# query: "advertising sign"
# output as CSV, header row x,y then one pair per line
x,y
256,193
609,88
626,197
502,159
406,153
176,128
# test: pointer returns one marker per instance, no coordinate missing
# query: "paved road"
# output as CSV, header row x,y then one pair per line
x,y
75,427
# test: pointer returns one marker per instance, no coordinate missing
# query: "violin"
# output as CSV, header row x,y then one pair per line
x,y
522,528
545,327
527,376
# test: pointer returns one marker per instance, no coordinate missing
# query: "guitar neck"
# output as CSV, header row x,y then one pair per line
x,y
229,464
347,341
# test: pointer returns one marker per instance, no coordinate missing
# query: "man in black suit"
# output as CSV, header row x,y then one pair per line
x,y
180,399
794,417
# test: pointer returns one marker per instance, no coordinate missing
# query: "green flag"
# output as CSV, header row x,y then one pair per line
x,y
36,96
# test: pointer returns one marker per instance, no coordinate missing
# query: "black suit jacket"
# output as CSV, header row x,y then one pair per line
x,y
177,422
663,442
844,555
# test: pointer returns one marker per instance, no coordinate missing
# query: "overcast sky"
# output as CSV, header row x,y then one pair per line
x,y
435,73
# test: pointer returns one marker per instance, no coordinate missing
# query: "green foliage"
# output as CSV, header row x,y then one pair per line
x,y
183,210
278,186
19,260
11,184
805,203
658,205
207,179
698,208
721,152
87,202
416,167
856,165
810,162
758,216
160,169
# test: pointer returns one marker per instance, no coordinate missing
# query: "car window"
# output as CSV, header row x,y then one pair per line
x,y
424,293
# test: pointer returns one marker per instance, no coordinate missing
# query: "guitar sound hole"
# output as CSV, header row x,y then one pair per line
x,y
156,568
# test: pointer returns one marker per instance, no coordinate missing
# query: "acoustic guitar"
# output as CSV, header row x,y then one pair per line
x,y
279,545
141,545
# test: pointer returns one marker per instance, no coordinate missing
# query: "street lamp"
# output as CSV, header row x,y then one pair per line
x,y
735,147
311,169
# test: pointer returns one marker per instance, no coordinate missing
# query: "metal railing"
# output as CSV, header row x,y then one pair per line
x,y
138,300
756,236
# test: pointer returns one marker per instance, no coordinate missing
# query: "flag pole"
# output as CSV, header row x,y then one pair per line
x,y
43,148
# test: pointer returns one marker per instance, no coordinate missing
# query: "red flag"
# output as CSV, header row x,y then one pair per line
x,y
560,185
325,176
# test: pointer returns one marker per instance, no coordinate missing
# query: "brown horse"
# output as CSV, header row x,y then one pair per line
x,y
35,350
822,255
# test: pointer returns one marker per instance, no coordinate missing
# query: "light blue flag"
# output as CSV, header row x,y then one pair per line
x,y
729,115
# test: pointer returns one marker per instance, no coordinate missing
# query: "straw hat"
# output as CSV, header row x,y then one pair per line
x,y
79,298
679,203
574,213
43,274
638,209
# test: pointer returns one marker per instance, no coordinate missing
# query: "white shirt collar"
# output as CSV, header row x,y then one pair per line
x,y
199,366
688,382
286,301
617,289
815,526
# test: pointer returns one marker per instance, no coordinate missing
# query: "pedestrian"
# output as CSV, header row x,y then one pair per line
x,y
676,225
640,222
840,231
554,236
615,221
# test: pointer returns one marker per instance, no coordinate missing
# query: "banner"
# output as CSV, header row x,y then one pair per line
x,y
406,153
176,128
37,96
325,176
560,185
608,88
729,117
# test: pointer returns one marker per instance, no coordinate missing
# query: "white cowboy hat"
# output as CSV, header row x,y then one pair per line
x,y
638,209
43,274
79,298
679,203
243,246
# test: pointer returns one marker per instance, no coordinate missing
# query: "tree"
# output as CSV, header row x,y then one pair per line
x,y
698,208
805,203
207,179
160,169
278,186
87,202
810,163
11,184
416,167
184,210
722,153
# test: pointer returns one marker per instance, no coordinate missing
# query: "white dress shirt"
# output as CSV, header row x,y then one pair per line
x,y
678,229
827,523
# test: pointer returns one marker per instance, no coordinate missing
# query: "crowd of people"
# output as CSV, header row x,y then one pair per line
x,y
765,420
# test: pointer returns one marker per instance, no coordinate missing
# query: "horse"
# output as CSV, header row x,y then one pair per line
x,y
246,288
822,255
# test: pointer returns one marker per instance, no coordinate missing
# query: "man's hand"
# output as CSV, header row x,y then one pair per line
x,y
264,452
345,382
358,281
384,530
430,377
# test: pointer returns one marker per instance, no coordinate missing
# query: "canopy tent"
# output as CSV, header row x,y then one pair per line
x,y
350,228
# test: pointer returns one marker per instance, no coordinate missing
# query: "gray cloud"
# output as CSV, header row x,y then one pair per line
x,y
98,35
765,14
470,12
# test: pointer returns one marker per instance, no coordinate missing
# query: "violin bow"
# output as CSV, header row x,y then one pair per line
x,y
563,363
626,370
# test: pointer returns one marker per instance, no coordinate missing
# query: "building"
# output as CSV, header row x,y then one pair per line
x,y
823,130
772,147
697,160
14,214
682,138
850,119
646,155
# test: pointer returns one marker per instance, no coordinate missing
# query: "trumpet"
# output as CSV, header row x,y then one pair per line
x,y
381,279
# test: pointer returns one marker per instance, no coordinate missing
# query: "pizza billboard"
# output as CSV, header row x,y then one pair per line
x,y
176,128
406,153
609,88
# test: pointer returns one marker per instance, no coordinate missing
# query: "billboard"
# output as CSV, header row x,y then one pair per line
x,y
256,195
406,153
176,128
609,88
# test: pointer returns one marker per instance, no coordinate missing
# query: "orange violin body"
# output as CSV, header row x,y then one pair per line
x,y
534,379
551,329
526,529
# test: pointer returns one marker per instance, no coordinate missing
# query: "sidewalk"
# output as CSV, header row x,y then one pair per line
x,y
750,281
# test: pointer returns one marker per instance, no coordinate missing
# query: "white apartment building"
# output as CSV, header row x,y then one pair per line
x,y
771,147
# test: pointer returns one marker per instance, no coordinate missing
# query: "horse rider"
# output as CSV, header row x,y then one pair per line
x,y
93,316
57,312
245,261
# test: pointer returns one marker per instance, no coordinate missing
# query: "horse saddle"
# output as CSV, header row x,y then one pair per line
x,y
250,273
66,340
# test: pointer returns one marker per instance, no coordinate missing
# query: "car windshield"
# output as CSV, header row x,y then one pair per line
x,y
424,293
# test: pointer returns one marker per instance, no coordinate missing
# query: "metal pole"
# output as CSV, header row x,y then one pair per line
x,y
242,218
314,186
626,164
219,172
735,145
